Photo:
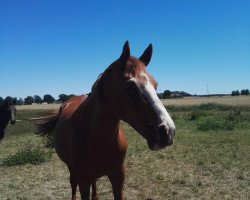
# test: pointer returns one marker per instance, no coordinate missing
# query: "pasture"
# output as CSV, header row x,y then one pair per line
x,y
210,157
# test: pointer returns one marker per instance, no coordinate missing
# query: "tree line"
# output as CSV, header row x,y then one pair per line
x,y
167,94
242,92
47,98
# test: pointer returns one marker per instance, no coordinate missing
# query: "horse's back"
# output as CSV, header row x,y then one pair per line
x,y
69,107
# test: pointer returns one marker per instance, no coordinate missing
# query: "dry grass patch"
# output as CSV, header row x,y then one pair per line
x,y
38,107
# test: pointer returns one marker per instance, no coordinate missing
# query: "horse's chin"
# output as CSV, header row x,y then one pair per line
x,y
154,146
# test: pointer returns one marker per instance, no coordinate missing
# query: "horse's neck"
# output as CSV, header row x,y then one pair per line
x,y
99,117
4,114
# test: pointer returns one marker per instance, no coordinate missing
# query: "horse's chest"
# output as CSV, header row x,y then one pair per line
x,y
102,160
101,165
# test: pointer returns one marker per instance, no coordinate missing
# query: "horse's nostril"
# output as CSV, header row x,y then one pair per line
x,y
163,130
150,125
165,134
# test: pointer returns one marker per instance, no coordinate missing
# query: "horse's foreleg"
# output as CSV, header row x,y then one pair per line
x,y
94,191
1,134
73,183
84,189
117,181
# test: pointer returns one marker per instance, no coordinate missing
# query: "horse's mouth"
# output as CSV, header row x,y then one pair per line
x,y
155,146
156,142
157,138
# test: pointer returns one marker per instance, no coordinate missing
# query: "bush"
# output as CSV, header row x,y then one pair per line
x,y
27,155
215,123
235,115
208,123
196,114
214,106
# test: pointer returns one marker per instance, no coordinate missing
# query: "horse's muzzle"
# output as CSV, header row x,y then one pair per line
x,y
13,122
162,138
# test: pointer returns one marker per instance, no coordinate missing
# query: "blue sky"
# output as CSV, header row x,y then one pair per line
x,y
58,46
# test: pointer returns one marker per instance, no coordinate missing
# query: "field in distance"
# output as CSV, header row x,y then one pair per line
x,y
224,100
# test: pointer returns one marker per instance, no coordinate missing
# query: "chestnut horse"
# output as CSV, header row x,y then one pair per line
x,y
87,131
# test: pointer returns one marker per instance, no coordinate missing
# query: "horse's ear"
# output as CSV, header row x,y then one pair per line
x,y
147,54
125,53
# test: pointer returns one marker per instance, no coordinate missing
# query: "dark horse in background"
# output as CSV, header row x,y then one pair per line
x,y
87,130
7,113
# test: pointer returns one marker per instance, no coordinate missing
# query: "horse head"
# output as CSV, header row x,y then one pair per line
x,y
9,102
130,92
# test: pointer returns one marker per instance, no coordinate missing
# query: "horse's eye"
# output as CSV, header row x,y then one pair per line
x,y
132,89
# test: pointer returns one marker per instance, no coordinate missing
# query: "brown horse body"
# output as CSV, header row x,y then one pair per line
x,y
88,135
94,156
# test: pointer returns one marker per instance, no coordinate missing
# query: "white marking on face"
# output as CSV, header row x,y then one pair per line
x,y
149,92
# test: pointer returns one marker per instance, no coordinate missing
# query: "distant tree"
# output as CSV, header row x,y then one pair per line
x,y
8,99
15,101
20,101
1,100
235,93
167,94
247,92
63,97
243,92
28,100
160,95
184,94
38,99
48,98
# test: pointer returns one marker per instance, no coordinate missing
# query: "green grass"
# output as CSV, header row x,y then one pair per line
x,y
201,164
27,155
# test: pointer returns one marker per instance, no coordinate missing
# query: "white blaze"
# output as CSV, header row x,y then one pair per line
x,y
149,91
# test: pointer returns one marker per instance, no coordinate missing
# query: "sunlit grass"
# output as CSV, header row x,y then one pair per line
x,y
212,164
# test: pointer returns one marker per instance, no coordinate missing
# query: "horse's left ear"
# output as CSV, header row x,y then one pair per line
x,y
147,54
125,53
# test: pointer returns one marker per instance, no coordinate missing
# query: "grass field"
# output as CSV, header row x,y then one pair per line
x,y
210,158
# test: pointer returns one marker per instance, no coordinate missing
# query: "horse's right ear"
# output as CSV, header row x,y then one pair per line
x,y
125,53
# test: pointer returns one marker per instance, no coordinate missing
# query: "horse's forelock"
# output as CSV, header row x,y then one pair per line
x,y
134,67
